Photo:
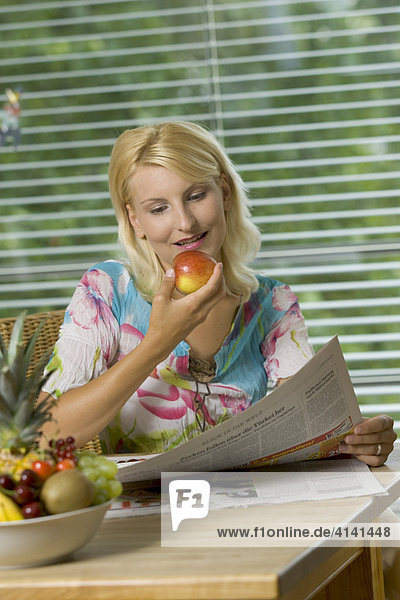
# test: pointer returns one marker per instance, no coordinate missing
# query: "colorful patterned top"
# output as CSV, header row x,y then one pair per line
x,y
107,318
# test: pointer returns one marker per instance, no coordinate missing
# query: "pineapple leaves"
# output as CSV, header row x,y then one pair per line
x,y
5,412
21,414
15,345
3,349
30,348
8,385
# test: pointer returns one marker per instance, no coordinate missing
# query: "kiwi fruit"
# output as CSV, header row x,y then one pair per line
x,y
67,490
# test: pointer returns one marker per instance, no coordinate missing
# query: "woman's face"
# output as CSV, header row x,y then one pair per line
x,y
176,215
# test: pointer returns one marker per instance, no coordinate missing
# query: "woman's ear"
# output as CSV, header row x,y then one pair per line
x,y
134,222
226,192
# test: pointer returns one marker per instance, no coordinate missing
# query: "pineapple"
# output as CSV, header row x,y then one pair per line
x,y
20,416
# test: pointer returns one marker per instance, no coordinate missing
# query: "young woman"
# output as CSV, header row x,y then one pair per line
x,y
148,368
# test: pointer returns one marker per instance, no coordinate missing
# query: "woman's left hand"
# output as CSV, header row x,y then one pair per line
x,y
371,441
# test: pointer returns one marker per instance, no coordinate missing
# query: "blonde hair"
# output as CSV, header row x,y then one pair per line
x,y
192,152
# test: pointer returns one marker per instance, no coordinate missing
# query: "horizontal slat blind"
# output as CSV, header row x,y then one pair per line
x,y
305,97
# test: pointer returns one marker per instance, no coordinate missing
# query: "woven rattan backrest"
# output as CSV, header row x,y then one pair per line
x,y
47,337
45,341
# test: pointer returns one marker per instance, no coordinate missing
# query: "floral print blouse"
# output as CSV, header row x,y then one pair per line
x,y
107,318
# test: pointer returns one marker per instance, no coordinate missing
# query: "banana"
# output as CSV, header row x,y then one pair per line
x,y
9,511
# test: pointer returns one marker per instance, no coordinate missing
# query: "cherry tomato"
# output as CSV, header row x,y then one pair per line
x,y
66,463
43,468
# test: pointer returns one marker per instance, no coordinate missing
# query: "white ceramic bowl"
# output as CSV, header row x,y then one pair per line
x,y
34,542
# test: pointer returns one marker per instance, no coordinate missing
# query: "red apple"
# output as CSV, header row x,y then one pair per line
x,y
193,269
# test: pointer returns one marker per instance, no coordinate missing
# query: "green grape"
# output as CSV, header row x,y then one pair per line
x,y
85,462
114,488
89,453
108,469
100,497
102,460
90,473
102,473
101,482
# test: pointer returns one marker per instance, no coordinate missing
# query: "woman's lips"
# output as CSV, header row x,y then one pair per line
x,y
193,242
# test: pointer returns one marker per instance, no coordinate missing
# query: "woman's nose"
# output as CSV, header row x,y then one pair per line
x,y
185,218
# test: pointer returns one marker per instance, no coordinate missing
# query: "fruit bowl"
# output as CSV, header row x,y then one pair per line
x,y
44,540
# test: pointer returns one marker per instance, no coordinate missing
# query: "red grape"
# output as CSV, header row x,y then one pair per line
x,y
7,482
32,510
24,493
30,478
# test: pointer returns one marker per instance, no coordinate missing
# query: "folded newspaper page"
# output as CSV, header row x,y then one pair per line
x,y
293,482
304,418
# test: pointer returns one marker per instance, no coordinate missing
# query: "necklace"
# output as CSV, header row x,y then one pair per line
x,y
202,371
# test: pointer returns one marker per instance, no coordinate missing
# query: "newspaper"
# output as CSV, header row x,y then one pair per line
x,y
293,482
304,418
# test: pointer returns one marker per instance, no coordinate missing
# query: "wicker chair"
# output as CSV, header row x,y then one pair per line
x,y
46,340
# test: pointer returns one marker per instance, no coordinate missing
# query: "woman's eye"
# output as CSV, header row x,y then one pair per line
x,y
197,196
158,210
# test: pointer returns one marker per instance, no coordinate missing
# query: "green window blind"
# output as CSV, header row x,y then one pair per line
x,y
304,96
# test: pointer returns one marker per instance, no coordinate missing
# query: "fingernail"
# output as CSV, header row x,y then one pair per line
x,y
343,448
169,273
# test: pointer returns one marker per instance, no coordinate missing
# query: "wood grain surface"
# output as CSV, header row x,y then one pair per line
x,y
125,560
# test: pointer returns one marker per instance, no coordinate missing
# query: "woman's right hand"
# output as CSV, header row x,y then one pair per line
x,y
171,320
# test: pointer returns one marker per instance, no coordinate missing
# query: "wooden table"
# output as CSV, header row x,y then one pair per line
x,y
125,561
